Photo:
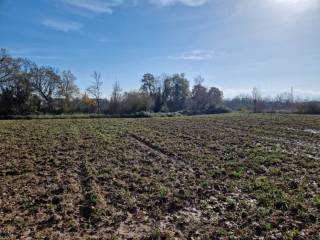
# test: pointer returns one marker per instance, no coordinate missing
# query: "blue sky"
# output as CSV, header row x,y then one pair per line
x,y
233,44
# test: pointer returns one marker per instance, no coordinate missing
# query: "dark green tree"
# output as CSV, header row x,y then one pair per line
x,y
149,84
176,92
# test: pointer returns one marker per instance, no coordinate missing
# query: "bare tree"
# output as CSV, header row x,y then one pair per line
x,y
95,89
45,81
198,80
8,66
199,96
3,65
115,99
256,96
67,89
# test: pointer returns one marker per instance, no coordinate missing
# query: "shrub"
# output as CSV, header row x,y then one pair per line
x,y
309,107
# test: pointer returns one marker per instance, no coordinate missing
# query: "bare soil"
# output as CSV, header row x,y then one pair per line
x,y
211,177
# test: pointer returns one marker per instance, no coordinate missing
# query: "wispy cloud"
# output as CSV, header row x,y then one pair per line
x,y
47,57
107,6
103,40
94,6
63,26
194,55
34,54
189,3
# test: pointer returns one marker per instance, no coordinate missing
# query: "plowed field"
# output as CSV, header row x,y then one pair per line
x,y
210,177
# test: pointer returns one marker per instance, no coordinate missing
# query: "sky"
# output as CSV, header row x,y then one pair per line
x,y
234,44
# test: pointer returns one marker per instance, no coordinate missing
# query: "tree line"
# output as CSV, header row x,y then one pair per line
x,y
28,88
283,102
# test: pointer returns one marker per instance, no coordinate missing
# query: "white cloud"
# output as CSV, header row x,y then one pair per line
x,y
63,26
106,6
190,3
194,55
95,6
310,94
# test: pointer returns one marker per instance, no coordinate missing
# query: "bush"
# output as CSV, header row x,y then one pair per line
x,y
208,110
217,109
309,107
136,102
